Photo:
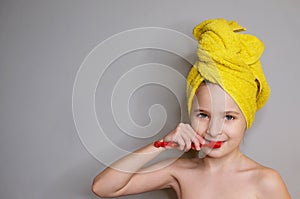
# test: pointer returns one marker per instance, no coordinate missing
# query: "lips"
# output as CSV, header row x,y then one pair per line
x,y
213,144
214,141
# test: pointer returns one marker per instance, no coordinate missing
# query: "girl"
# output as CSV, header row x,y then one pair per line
x,y
224,90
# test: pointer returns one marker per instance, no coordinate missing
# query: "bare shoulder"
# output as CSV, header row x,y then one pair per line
x,y
270,184
266,181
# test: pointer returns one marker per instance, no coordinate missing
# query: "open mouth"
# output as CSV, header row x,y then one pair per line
x,y
213,144
212,141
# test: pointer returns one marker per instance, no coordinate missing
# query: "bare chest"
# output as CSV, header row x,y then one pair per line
x,y
195,185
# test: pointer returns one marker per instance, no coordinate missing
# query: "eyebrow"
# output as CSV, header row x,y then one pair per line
x,y
200,110
226,112
232,112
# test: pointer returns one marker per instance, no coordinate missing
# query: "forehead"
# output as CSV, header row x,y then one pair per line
x,y
212,96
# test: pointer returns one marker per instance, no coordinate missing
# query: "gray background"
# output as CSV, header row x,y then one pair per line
x,y
42,45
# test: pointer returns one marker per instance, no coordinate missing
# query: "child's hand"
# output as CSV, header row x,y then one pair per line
x,y
184,135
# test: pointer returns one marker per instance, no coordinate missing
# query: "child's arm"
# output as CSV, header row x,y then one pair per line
x,y
128,178
126,175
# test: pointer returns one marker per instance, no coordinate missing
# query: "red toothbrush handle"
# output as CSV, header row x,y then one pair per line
x,y
158,144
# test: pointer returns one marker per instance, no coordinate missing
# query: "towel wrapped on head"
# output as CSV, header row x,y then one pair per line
x,y
231,60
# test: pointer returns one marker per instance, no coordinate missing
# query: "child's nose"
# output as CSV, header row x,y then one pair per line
x,y
215,127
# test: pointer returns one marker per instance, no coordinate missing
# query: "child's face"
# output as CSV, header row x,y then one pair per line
x,y
216,117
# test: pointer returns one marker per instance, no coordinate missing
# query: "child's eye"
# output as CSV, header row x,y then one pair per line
x,y
202,115
229,117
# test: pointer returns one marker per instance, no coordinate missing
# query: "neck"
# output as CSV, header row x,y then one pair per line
x,y
226,162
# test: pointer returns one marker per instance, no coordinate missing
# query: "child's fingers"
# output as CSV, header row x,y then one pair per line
x,y
181,144
196,139
196,143
188,142
188,135
184,135
200,139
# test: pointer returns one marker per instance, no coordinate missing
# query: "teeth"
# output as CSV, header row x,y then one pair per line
x,y
208,141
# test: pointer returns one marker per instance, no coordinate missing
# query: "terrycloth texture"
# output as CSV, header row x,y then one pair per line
x,y
230,60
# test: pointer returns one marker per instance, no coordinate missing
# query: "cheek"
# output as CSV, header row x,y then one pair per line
x,y
235,131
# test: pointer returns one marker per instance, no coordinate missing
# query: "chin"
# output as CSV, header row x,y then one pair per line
x,y
214,153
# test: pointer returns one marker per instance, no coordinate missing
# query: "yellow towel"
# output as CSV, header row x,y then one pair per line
x,y
231,60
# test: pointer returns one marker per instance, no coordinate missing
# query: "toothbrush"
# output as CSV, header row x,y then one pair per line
x,y
214,145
